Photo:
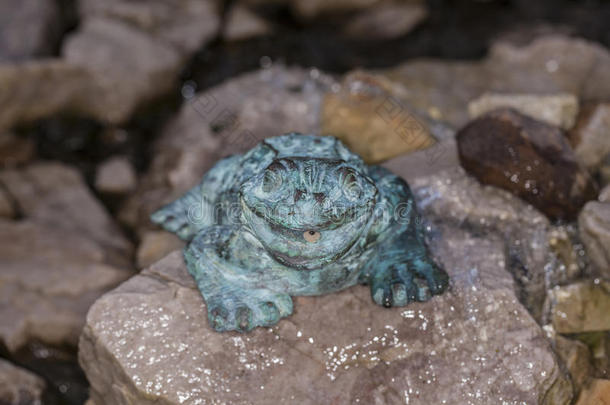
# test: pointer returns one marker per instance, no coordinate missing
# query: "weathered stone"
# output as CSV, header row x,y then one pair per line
x,y
242,23
155,245
556,109
549,64
56,195
122,55
19,386
594,227
579,307
15,150
596,394
590,137
149,341
454,198
576,357
529,158
599,346
49,279
387,20
115,176
229,118
28,28
366,116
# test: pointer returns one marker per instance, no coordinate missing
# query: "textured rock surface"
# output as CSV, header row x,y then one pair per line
x,y
56,195
529,158
28,28
597,394
229,118
579,307
576,357
557,109
590,137
115,176
371,121
19,386
15,150
63,254
594,227
547,65
474,344
122,55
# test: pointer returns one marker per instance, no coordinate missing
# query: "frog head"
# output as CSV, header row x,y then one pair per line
x,y
306,211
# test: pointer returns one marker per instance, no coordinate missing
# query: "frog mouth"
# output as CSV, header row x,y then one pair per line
x,y
292,246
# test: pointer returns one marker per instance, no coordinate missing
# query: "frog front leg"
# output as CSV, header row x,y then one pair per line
x,y
232,285
402,271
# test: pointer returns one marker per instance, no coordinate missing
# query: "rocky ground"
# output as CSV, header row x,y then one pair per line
x,y
110,109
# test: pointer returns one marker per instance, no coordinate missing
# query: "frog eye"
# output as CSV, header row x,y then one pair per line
x,y
311,236
350,185
272,181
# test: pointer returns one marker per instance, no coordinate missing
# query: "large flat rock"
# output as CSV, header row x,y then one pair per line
x,y
149,342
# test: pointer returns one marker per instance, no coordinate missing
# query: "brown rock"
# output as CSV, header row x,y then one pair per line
x,y
56,195
590,137
371,121
155,245
594,227
19,386
115,176
529,158
597,394
149,342
579,307
7,210
576,356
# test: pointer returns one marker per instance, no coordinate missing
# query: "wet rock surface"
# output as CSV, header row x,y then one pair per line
x,y
153,330
529,158
579,307
19,386
594,226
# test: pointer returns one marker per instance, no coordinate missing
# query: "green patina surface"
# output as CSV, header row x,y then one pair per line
x,y
299,215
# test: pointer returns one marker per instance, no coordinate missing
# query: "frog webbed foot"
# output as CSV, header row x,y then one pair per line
x,y
246,309
396,285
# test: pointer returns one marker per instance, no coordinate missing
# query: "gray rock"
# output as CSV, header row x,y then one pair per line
x,y
579,307
56,261
56,195
604,195
242,23
115,176
49,279
148,342
594,227
548,65
28,28
19,386
122,55
590,137
386,20
555,109
229,118
457,199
